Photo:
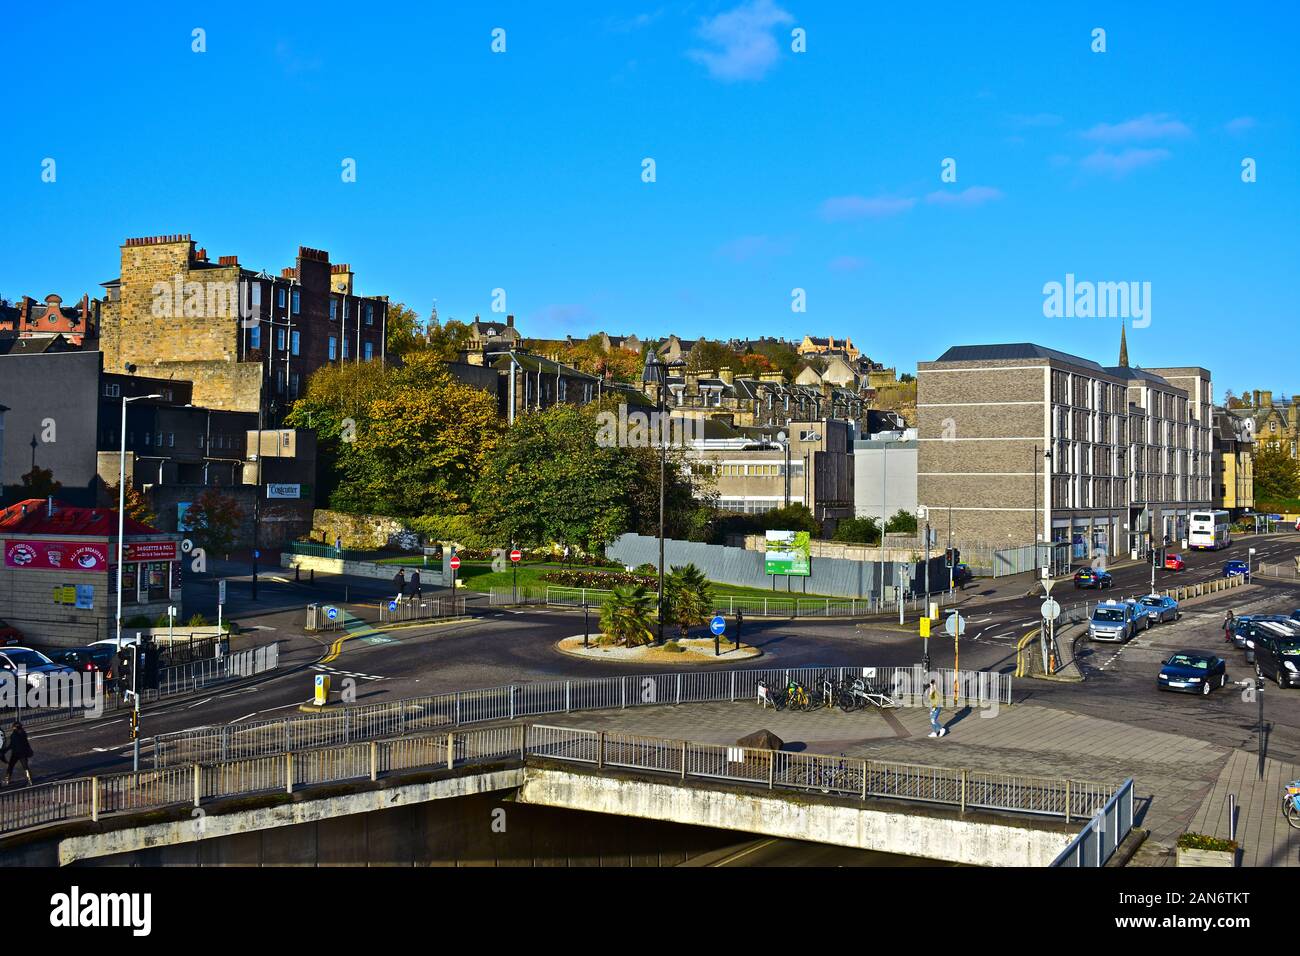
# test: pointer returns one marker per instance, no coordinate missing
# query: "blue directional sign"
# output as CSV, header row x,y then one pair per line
x,y
392,605
718,625
332,613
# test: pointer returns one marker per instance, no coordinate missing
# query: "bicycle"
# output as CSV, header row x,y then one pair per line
x,y
1291,803
798,698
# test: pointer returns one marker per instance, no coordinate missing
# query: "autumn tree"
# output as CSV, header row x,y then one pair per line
x,y
137,507
40,483
402,330
212,522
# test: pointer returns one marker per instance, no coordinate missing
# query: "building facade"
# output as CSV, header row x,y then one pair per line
x,y
1025,444
1234,464
247,340
28,317
58,583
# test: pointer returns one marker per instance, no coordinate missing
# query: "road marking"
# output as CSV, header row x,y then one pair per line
x,y
204,701
743,853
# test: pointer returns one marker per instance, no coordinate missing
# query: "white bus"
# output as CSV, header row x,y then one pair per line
x,y
1210,530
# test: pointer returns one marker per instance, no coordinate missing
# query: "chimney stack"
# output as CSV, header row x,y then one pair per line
x,y
510,321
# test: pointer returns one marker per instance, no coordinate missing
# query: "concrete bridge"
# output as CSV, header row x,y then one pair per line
x,y
456,797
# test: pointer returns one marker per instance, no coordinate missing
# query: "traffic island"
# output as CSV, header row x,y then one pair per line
x,y
693,651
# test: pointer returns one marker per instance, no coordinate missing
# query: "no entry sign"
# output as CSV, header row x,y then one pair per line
x,y
516,556
455,563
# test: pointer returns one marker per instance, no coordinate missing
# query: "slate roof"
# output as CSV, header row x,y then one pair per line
x,y
1015,350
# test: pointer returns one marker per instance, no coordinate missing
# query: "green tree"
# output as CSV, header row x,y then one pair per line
x,y
688,597
627,616
902,522
1276,476
403,330
549,480
212,522
448,340
706,355
137,508
793,517
857,531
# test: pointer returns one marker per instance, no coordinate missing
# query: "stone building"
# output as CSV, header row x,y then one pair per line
x,y
493,336
1234,464
812,345
1026,443
173,313
27,317
1272,422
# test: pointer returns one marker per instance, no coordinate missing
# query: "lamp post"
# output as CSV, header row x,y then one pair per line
x,y
121,507
656,374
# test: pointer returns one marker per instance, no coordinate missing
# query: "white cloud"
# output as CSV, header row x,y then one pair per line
x,y
1122,163
745,48
970,196
839,208
1241,124
1147,127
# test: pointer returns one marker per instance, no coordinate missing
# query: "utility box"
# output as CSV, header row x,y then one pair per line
x,y
322,690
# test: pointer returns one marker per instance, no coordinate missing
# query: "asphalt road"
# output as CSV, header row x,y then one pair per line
x,y
502,646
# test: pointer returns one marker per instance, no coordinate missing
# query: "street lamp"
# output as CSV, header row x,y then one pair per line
x,y
121,509
656,374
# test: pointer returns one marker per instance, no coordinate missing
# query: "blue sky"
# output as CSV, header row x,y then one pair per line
x,y
775,170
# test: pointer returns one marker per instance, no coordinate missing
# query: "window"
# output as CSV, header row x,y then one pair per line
x,y
297,301
279,339
370,313
255,337
256,294
279,380
293,384
334,310
279,297
112,391
294,343
345,346
166,394
334,348
171,439
369,351
159,442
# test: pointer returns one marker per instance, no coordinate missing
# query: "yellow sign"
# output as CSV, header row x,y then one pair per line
x,y
925,627
67,594
321,696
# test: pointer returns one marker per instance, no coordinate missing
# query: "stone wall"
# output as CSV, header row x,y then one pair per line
x,y
360,532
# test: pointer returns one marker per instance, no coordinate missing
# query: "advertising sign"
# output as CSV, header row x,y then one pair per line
x,y
56,555
151,551
789,552
283,491
86,597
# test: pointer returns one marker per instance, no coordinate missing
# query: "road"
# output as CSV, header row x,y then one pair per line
x,y
500,646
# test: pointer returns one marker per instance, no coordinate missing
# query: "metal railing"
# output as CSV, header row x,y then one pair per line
x,y
420,609
320,619
180,679
854,777
1281,572
905,686
724,604
1106,830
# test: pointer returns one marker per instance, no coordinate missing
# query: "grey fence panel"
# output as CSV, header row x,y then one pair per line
x,y
1105,830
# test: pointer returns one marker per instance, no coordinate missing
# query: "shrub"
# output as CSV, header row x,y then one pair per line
x,y
1199,841
458,528
138,621
647,569
198,620
604,580
673,647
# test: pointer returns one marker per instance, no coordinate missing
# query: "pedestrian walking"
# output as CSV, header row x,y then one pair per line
x,y
338,543
399,582
934,700
415,584
19,751
1228,621
566,555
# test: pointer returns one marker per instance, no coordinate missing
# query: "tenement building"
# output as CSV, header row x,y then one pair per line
x,y
1023,443
246,339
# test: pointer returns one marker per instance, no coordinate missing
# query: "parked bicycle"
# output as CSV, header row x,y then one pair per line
x,y
1291,803
842,777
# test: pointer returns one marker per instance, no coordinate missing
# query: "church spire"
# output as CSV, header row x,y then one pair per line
x,y
1123,348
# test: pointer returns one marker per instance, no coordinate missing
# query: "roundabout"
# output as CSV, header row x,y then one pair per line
x,y
692,651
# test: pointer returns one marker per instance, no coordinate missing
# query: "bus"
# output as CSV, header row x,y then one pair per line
x,y
1210,530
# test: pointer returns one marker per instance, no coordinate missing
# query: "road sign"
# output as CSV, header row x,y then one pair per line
x,y
718,625
221,591
392,605
332,613
516,556
321,690
455,562
955,626
1050,610
925,627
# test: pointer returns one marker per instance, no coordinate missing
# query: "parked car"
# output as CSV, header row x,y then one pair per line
x,y
1160,609
9,635
1174,562
36,665
1278,658
1092,578
1233,568
1260,627
1192,672
98,657
1116,621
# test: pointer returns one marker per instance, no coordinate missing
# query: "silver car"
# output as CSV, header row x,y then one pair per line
x,y
1159,609
1115,621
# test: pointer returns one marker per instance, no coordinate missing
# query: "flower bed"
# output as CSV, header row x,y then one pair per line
x,y
597,579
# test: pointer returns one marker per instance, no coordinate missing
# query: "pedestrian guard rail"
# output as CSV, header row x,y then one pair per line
x,y
420,609
847,777
722,604
905,686
1102,833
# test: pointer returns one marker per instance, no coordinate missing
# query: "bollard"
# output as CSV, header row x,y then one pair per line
x,y
1232,816
311,576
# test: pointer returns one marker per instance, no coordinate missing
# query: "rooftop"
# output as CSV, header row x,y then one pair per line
x,y
32,517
